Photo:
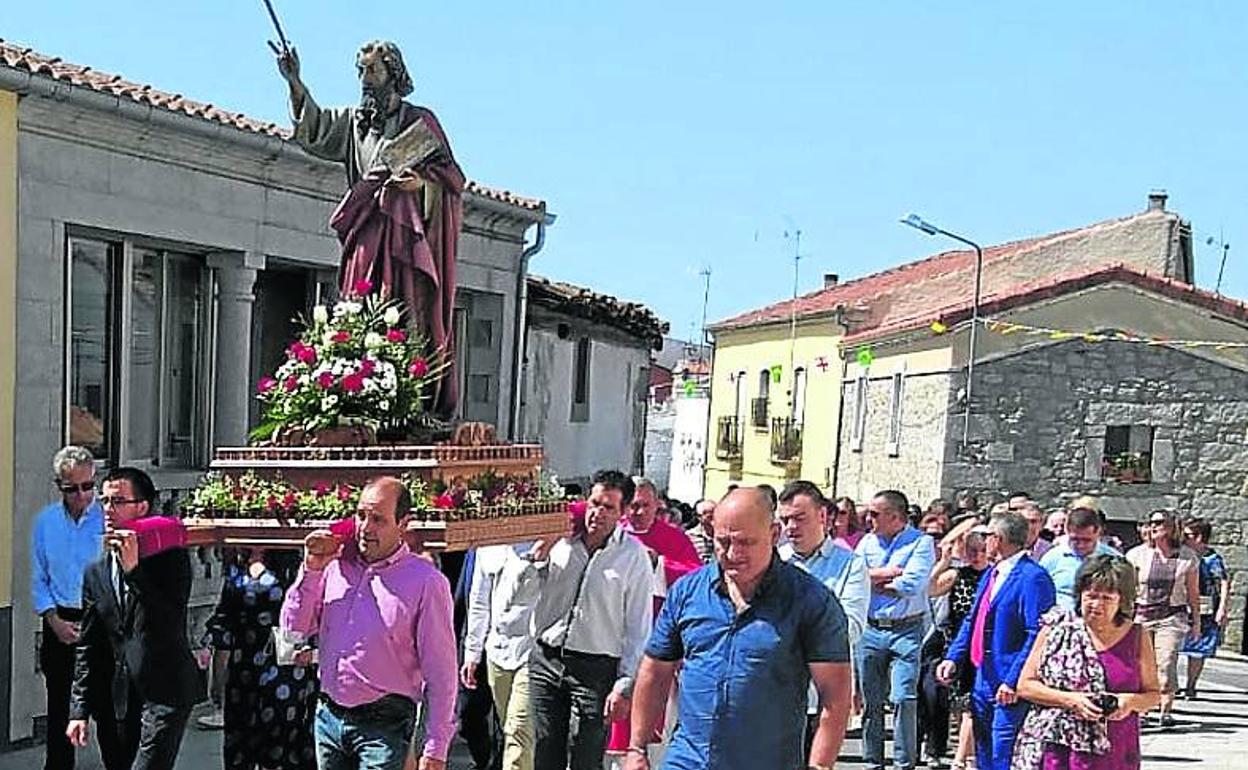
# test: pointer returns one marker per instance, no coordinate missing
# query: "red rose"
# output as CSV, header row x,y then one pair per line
x,y
444,501
290,384
321,489
396,335
363,287
238,493
272,504
368,366
419,368
353,383
306,354
341,336
266,384
288,502
344,493
325,380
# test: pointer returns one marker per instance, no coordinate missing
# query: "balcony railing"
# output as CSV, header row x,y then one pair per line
x,y
758,412
786,440
728,438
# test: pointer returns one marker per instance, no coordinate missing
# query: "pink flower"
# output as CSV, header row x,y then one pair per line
x,y
306,354
396,335
341,336
353,383
321,489
290,384
367,366
344,492
266,384
362,287
272,504
325,380
288,502
419,368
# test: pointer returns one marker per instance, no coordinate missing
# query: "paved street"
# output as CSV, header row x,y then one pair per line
x,y
1212,734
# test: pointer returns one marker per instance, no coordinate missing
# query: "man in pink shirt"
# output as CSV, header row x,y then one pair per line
x,y
383,616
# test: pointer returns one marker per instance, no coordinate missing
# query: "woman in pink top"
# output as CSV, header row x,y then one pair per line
x,y
843,524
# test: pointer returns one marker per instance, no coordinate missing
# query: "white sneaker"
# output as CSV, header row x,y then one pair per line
x,y
213,720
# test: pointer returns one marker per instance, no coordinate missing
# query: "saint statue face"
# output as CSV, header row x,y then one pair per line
x,y
378,97
373,70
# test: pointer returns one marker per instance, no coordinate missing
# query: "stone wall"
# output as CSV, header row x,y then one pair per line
x,y
914,468
1039,425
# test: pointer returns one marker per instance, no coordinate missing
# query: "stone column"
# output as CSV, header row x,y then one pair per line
x,y
233,388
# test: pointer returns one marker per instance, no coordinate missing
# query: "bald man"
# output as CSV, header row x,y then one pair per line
x,y
383,616
753,632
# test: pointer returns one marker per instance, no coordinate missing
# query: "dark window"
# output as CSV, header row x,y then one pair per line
x,y
580,380
92,324
1128,454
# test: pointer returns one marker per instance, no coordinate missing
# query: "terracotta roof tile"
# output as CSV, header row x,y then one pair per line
x,y
631,317
17,57
919,291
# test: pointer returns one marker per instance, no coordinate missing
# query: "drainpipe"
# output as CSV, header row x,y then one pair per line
x,y
521,323
839,320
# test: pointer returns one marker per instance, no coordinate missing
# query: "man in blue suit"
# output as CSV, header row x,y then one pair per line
x,y
996,637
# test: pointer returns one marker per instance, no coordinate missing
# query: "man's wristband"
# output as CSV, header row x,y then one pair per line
x,y
640,750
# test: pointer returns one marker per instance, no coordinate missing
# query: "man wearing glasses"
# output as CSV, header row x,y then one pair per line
x,y
68,535
134,673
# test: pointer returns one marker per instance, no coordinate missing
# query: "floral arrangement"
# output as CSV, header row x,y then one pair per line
x,y
251,496
352,365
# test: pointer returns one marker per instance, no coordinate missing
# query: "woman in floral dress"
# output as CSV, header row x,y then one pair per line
x,y
268,707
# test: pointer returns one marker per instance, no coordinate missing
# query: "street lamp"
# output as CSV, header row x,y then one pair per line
x,y
922,225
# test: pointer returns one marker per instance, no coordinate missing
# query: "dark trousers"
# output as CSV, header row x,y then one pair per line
x,y
478,725
147,739
933,702
566,686
56,659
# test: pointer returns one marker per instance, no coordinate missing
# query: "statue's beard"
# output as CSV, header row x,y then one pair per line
x,y
374,106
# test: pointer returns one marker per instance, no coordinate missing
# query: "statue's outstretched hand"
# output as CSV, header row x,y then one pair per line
x,y
288,65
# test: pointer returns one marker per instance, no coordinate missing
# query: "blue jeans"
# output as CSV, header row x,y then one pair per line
x,y
374,736
888,661
996,726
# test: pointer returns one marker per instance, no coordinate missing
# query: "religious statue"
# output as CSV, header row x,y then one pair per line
x,y
400,217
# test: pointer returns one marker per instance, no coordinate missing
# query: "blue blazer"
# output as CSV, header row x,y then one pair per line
x,y
1012,625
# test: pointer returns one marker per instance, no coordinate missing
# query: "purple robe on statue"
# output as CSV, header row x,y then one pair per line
x,y
400,240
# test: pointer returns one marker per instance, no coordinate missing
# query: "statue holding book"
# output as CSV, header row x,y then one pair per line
x,y
399,220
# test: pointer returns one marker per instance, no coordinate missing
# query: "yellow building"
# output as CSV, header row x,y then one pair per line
x,y
777,378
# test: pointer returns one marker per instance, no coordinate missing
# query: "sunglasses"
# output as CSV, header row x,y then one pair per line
x,y
116,501
69,489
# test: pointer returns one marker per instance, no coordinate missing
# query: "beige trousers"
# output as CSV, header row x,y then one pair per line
x,y
1168,636
511,700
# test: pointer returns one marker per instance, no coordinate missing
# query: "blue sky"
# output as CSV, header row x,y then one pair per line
x,y
672,136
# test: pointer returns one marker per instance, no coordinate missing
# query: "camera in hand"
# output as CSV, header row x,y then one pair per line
x,y
1107,703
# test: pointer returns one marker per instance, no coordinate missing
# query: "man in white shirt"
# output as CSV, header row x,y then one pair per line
x,y
500,612
591,621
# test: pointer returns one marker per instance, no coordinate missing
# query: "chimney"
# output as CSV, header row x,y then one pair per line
x,y
1157,200
830,280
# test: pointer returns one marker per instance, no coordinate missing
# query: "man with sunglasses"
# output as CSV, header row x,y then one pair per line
x,y
68,535
134,673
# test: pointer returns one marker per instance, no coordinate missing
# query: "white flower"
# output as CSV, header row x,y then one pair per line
x,y
391,316
328,337
383,405
346,307
328,402
373,340
320,314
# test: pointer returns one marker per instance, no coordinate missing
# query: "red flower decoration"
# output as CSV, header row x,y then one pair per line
x,y
368,366
419,368
288,502
272,504
290,384
306,354
353,383
344,493
444,501
396,335
321,489
325,380
266,384
362,287
341,336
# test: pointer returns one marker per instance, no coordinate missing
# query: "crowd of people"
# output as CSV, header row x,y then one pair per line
x,y
748,631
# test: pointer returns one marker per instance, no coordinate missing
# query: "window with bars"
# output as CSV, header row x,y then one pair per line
x,y
858,427
896,399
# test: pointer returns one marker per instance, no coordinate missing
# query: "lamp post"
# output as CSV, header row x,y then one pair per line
x,y
918,223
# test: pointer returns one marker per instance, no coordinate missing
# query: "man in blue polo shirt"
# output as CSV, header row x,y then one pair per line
x,y
753,632
1063,560
899,565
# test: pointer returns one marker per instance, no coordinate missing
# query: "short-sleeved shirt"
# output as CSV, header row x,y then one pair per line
x,y
743,685
1212,573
